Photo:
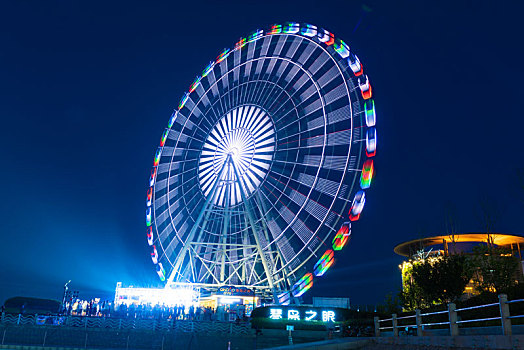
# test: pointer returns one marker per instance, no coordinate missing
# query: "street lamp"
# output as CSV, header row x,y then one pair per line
x,y
64,296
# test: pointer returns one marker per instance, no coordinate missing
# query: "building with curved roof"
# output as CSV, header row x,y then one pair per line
x,y
438,246
460,243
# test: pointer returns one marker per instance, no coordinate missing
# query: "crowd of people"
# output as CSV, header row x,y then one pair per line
x,y
93,307
106,308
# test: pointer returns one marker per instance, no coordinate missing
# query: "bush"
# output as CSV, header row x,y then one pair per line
x,y
27,305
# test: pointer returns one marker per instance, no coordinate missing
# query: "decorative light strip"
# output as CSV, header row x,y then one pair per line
x,y
357,205
342,236
164,137
342,49
183,100
208,69
355,65
172,119
365,88
371,142
324,263
223,55
195,84
303,285
276,29
240,44
367,174
291,28
369,108
150,235
154,255
308,30
152,177
157,156
255,36
161,272
149,196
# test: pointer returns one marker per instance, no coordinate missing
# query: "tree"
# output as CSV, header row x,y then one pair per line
x,y
496,268
490,211
451,223
391,305
412,297
436,280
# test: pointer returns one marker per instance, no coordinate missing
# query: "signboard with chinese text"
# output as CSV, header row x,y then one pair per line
x,y
301,313
235,291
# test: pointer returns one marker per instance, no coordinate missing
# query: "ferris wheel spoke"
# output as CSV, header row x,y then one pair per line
x,y
284,94
259,94
256,66
279,77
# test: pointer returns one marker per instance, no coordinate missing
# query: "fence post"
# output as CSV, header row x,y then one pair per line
x,y
85,342
45,337
504,314
418,321
3,336
18,321
377,326
453,325
395,325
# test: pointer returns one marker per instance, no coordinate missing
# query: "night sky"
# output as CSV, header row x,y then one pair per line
x,y
86,89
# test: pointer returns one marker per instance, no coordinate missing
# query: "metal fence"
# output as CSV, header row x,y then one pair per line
x,y
122,333
453,319
128,323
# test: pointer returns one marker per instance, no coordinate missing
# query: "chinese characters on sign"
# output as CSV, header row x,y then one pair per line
x,y
293,315
328,316
306,315
310,315
275,314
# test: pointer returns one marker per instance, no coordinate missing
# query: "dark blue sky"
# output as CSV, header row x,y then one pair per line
x,y
86,89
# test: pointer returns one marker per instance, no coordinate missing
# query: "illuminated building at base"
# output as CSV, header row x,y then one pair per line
x,y
181,295
186,295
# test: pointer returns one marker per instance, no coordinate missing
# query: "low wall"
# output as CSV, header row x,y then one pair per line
x,y
429,342
109,338
461,341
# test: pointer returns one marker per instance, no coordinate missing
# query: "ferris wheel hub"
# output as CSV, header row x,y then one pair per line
x,y
234,153
246,135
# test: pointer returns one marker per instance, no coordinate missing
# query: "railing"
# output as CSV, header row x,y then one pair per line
x,y
453,319
128,323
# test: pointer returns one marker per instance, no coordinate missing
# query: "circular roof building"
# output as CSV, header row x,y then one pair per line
x,y
460,243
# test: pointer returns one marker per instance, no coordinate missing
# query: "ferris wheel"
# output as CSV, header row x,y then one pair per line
x,y
264,165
